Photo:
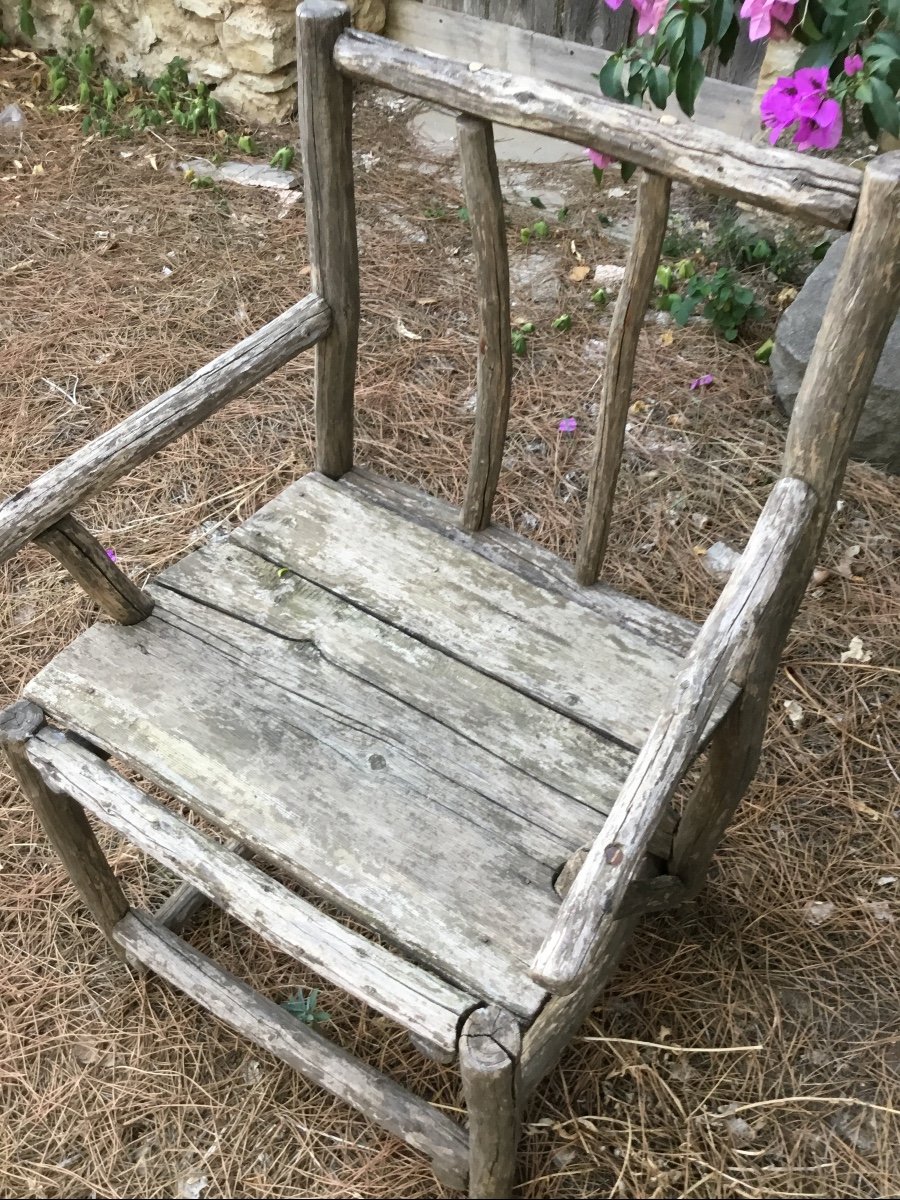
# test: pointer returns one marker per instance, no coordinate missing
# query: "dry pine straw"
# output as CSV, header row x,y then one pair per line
x,y
115,1086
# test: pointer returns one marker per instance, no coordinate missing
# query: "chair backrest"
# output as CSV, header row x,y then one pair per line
x,y
332,55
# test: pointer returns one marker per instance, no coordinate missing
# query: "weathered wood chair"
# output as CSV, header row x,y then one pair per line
x,y
371,692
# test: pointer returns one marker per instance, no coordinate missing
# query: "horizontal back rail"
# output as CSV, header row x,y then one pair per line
x,y
113,454
780,180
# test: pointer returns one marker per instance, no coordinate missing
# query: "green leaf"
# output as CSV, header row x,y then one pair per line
x,y
610,83
818,54
245,144
536,202
540,229
726,20
864,92
598,176
282,158
26,20
110,94
527,327
85,16
694,34
869,123
600,297
764,352
519,342
672,29
462,214
664,277
626,170
562,322
659,86
884,107
819,251
562,214
687,84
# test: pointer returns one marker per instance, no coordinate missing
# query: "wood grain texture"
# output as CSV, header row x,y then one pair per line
x,y
651,215
414,998
779,180
326,117
114,453
179,908
469,38
517,554
549,1035
481,184
90,566
723,649
439,839
861,310
731,760
63,820
489,1050
435,590
270,1027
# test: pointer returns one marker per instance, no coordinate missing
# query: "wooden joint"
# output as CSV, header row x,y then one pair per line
x,y
92,568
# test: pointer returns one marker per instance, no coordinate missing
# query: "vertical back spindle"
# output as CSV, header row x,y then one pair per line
x,y
481,183
628,316
325,102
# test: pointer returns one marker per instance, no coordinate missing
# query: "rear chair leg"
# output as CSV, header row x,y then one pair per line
x,y
490,1050
64,823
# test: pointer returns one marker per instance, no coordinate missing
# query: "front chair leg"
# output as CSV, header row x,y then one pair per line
x,y
490,1049
64,823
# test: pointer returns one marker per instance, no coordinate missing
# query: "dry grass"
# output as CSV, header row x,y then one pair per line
x,y
743,1051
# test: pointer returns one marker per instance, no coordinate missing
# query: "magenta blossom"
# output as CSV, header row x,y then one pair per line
x,y
701,381
600,160
111,555
822,130
568,425
650,12
763,13
802,97
852,64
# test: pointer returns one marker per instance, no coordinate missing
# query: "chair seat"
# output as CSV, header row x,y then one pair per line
x,y
416,724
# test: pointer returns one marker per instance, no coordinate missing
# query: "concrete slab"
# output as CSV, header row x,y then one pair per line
x,y
435,131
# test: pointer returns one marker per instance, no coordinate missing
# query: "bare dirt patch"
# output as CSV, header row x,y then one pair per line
x,y
751,1044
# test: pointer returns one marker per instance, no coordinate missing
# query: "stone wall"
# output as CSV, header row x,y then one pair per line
x,y
245,49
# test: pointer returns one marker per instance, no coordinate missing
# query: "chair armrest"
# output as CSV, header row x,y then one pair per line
x,y
770,575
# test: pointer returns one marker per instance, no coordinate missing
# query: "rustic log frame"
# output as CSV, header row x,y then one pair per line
x,y
489,1052
481,183
113,454
780,180
740,641
325,104
651,215
89,565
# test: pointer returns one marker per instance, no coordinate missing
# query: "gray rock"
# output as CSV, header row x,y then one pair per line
x,y
534,278
877,439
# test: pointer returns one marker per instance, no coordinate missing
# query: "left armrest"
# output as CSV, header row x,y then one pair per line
x,y
769,575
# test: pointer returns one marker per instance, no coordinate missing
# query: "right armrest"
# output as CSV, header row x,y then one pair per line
x,y
769,575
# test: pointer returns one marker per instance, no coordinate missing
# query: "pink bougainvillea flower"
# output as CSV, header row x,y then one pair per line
x,y
111,555
600,160
568,425
853,63
614,4
823,130
650,13
701,381
762,14
803,97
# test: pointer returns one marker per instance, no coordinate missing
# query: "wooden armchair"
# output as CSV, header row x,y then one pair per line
x,y
367,689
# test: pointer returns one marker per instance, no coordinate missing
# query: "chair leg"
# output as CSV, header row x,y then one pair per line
x,y
490,1051
64,823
